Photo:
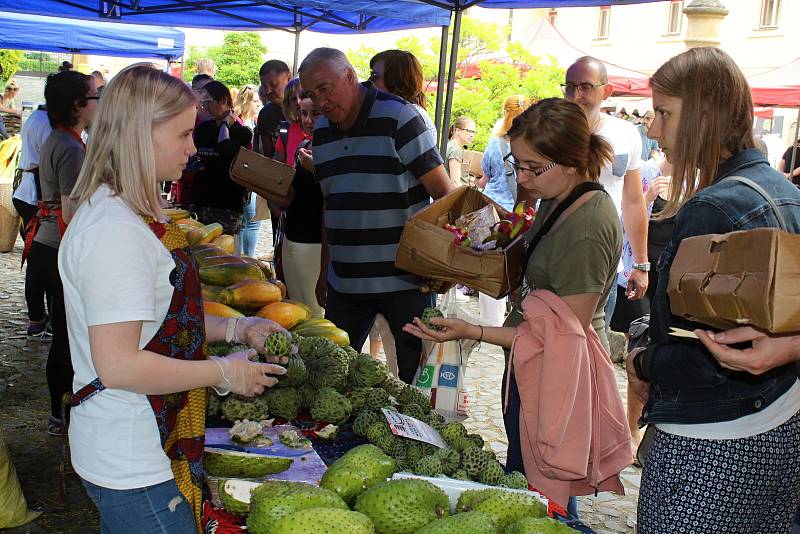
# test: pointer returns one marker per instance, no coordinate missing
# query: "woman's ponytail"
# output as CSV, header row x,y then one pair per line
x,y
599,153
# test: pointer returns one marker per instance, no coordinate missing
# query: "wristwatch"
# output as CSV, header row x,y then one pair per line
x,y
644,266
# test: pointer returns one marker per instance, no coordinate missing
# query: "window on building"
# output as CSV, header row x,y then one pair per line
x,y
552,15
675,17
604,22
770,11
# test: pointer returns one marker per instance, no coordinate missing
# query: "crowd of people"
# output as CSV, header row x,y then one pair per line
x,y
614,201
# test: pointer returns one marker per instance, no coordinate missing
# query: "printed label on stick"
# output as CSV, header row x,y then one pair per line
x,y
408,427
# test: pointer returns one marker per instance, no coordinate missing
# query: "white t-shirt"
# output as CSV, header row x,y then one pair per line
x,y
627,145
427,120
113,269
34,133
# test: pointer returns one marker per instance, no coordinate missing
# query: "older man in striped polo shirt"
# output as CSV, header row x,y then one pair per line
x,y
377,166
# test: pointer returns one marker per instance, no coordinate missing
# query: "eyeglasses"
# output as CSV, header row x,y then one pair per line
x,y
581,87
468,131
92,97
527,170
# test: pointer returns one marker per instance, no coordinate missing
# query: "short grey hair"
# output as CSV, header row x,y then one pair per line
x,y
332,56
599,65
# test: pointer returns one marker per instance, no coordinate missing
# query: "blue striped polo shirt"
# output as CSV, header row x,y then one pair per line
x,y
369,177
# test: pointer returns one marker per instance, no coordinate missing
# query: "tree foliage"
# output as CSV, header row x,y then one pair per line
x,y
238,58
9,60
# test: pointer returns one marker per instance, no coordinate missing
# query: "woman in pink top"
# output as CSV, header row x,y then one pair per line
x,y
291,133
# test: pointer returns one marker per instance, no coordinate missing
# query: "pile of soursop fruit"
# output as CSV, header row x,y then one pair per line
x,y
354,497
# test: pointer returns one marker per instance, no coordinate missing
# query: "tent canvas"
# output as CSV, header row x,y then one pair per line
x,y
52,34
777,87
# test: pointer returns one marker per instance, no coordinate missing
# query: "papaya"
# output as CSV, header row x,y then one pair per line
x,y
287,314
250,294
309,323
218,260
194,223
211,293
337,335
175,214
220,310
279,284
208,252
225,242
264,266
227,274
205,234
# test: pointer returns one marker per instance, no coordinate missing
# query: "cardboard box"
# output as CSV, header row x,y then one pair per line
x,y
427,249
471,163
740,278
269,178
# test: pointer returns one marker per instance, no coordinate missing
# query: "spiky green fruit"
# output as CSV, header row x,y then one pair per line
x,y
331,406
476,440
466,523
236,408
284,402
428,466
413,395
403,506
357,470
222,348
413,410
504,507
233,464
434,418
378,398
366,371
515,480
323,521
538,525
357,397
393,386
295,372
492,474
451,460
473,460
266,511
460,475
234,495
377,430
278,344
307,394
213,402
364,419
388,443
453,432
430,313
413,452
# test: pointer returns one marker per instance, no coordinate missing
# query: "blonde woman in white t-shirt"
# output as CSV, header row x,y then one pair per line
x,y
136,323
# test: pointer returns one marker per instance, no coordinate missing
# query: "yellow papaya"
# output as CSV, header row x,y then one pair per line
x,y
286,314
195,235
211,232
227,274
264,266
279,284
250,294
194,223
218,260
225,242
312,324
211,293
337,335
175,214
206,251
220,310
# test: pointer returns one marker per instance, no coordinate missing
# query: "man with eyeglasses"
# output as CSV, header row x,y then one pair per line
x,y
376,165
274,75
586,84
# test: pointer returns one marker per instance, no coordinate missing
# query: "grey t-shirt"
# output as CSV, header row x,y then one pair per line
x,y
60,163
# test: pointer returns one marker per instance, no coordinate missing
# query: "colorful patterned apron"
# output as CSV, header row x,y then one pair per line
x,y
180,416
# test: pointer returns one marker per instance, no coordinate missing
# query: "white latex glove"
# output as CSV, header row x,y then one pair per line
x,y
254,332
243,376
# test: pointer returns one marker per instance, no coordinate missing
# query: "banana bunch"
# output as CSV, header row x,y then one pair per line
x,y
9,153
518,222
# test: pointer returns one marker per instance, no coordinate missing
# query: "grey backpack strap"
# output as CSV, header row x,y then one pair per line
x,y
760,190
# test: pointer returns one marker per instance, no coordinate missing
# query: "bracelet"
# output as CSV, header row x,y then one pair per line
x,y
230,329
481,337
226,387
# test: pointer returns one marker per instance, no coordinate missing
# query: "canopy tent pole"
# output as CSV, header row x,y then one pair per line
x,y
437,121
451,78
794,145
295,66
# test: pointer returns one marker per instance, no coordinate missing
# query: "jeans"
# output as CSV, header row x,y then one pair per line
x,y
150,510
357,315
609,309
248,237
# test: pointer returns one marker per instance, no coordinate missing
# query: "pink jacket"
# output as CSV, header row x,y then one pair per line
x,y
573,428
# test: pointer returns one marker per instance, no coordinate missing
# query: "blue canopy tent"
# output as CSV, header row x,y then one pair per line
x,y
52,34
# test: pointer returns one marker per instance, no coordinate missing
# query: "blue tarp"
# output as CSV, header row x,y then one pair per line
x,y
525,4
51,34
329,16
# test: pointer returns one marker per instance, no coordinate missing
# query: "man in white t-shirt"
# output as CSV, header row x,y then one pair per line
x,y
586,84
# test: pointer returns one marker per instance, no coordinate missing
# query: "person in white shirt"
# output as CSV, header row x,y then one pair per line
x,y
586,84
136,323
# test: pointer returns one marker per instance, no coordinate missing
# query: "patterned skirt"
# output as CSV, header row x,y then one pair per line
x,y
747,486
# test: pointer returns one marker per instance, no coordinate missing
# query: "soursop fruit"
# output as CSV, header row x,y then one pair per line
x,y
492,474
403,506
331,406
364,419
312,348
538,525
266,510
453,432
393,386
357,397
434,418
236,408
222,348
234,495
515,480
278,344
428,466
476,440
323,521
307,394
357,470
450,459
460,475
366,371
233,464
296,339
413,452
329,370
413,395
466,523
284,402
351,353
213,402
386,443
430,313
378,430
378,398
460,443
473,460
415,411
295,372
504,507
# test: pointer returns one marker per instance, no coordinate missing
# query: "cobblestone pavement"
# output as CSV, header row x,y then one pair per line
x,y
37,456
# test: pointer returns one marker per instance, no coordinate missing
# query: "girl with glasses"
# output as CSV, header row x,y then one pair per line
x,y
460,135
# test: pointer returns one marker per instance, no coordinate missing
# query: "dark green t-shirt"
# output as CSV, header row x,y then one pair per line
x,y
579,255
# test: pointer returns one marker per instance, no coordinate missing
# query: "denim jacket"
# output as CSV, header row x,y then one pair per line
x,y
687,385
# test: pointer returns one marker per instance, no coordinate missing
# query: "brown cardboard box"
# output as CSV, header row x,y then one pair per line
x,y
427,249
739,278
269,178
471,163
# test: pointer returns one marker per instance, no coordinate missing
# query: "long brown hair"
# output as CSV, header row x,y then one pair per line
x,y
512,106
402,75
558,130
716,118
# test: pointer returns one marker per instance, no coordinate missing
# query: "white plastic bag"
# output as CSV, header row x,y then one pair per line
x,y
441,371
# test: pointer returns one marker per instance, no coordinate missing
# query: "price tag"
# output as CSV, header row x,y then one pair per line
x,y
409,427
